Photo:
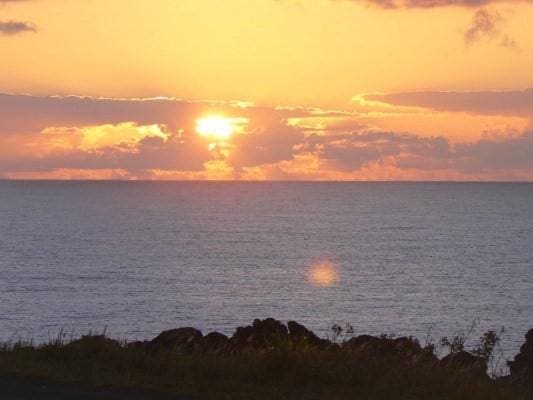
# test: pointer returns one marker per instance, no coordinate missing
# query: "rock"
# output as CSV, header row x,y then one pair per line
x,y
522,367
262,334
215,342
91,345
364,343
371,346
138,345
403,349
180,339
465,361
411,350
299,333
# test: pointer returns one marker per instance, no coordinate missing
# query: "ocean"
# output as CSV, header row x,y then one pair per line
x,y
137,258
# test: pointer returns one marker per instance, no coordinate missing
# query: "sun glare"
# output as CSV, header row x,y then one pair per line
x,y
323,274
218,127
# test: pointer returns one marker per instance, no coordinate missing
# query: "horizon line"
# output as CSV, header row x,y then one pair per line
x,y
258,181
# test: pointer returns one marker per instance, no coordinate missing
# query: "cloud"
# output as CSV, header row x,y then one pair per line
x,y
266,144
86,111
486,25
399,4
156,138
11,28
47,133
500,155
506,103
136,148
355,151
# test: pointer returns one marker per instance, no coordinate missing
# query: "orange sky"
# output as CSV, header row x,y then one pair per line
x,y
334,89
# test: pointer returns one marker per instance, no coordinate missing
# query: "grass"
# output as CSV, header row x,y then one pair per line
x,y
289,371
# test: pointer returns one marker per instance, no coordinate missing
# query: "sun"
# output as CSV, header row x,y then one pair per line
x,y
219,128
216,127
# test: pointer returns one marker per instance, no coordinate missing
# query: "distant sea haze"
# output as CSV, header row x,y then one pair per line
x,y
139,258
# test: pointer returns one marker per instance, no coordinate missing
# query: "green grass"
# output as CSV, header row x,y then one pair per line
x,y
290,371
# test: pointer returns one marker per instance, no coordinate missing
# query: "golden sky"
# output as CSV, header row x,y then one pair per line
x,y
334,89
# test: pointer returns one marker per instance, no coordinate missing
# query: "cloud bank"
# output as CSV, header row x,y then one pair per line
x,y
507,103
73,137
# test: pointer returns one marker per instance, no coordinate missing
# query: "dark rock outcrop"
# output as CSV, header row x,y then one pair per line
x,y
365,343
401,349
177,339
412,350
466,362
262,334
300,334
521,367
215,342
138,345
92,345
269,334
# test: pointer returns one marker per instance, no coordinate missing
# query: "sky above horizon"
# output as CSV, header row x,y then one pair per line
x,y
266,89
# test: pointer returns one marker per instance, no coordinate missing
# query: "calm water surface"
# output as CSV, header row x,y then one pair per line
x,y
139,258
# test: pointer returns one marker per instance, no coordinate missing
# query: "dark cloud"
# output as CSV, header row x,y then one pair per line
x,y
11,28
266,144
355,150
407,151
496,155
509,103
16,110
486,24
395,4
176,153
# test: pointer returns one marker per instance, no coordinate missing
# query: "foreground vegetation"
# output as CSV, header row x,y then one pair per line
x,y
258,362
